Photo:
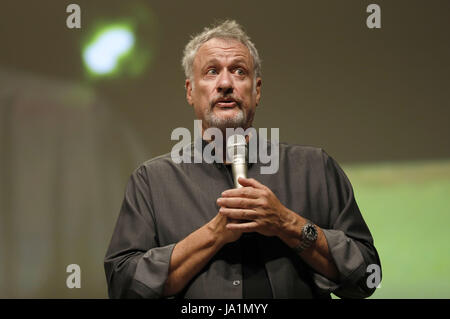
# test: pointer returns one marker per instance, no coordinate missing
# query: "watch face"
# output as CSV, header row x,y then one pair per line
x,y
310,232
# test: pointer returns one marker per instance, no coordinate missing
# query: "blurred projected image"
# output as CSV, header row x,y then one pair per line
x,y
107,48
65,149
404,202
121,45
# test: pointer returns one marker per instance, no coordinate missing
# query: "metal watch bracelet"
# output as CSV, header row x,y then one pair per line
x,y
304,242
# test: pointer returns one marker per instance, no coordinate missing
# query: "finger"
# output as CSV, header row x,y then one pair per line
x,y
248,192
235,213
250,182
237,202
244,227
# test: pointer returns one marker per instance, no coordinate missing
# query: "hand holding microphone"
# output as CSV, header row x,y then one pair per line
x,y
251,207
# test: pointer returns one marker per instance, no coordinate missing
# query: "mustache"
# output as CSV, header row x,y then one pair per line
x,y
226,98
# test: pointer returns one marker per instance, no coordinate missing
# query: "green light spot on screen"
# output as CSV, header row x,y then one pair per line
x,y
104,53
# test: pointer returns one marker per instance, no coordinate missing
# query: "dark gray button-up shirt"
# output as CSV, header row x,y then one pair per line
x,y
164,202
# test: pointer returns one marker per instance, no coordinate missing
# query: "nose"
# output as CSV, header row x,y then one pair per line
x,y
225,83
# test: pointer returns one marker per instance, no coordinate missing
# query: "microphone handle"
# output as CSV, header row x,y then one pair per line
x,y
239,170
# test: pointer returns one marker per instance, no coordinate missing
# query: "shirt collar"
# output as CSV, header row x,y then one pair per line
x,y
200,144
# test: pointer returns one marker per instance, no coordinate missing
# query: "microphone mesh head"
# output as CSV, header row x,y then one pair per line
x,y
236,148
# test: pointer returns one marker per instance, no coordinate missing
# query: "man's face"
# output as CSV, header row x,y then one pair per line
x,y
224,92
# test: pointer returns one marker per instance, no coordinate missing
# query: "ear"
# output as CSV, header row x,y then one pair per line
x,y
258,90
188,86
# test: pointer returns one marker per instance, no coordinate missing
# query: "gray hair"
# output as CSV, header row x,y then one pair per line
x,y
229,29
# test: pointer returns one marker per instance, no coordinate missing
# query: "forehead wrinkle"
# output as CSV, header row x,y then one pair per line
x,y
215,51
232,60
224,55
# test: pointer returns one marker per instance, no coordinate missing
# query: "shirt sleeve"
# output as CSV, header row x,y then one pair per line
x,y
349,240
135,265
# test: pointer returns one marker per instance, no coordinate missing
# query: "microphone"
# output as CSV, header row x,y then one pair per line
x,y
237,152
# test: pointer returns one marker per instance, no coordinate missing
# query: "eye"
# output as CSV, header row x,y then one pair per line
x,y
239,71
211,72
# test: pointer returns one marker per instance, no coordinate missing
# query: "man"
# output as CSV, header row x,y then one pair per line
x,y
184,231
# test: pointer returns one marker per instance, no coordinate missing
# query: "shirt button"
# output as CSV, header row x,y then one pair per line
x,y
236,283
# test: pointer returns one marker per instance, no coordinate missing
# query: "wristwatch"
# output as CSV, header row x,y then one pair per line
x,y
308,237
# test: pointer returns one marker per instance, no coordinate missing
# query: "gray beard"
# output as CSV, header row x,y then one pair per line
x,y
239,120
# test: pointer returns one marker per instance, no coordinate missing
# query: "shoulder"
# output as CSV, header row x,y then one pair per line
x,y
310,156
302,152
157,165
158,161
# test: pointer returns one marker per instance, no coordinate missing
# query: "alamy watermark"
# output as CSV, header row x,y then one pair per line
x,y
373,21
214,152
74,279
374,279
73,20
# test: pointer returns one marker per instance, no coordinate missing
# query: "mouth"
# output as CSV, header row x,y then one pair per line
x,y
226,103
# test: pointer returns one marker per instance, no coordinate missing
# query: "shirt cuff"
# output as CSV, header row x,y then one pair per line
x,y
152,271
348,259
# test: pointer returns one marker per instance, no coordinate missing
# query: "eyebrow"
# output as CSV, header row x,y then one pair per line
x,y
234,61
